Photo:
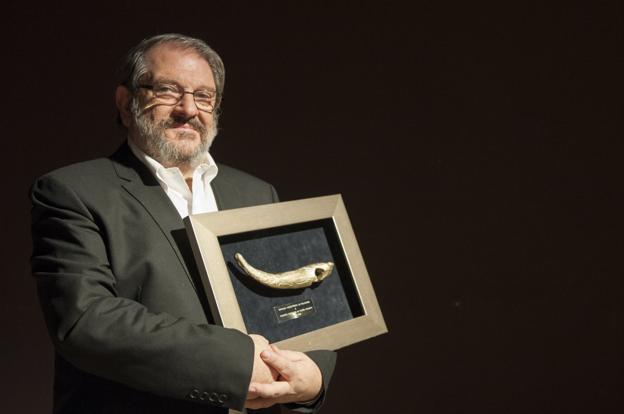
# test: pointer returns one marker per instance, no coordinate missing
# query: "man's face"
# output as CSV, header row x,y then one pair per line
x,y
175,135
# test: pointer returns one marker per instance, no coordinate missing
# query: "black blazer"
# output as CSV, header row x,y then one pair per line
x,y
120,293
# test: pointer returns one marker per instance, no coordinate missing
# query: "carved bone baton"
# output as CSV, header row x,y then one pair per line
x,y
292,279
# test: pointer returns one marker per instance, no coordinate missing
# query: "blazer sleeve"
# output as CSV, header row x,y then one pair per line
x,y
114,337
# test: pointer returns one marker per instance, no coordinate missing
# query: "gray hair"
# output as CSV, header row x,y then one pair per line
x,y
133,66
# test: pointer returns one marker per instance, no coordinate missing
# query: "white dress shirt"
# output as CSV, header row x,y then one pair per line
x,y
200,200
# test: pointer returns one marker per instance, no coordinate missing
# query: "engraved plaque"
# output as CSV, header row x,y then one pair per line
x,y
295,310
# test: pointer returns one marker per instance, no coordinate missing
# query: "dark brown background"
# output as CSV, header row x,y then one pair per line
x,y
477,147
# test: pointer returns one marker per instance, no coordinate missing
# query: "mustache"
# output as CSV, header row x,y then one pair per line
x,y
192,122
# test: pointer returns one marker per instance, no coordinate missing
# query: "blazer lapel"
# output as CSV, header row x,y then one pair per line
x,y
226,195
143,186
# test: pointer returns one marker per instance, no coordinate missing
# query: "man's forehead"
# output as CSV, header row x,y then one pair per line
x,y
170,59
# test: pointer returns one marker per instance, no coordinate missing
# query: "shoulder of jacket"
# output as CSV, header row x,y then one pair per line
x,y
92,171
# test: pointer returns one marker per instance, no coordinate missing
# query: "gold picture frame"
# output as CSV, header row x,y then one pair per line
x,y
345,308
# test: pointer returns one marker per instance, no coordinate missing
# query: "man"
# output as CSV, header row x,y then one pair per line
x,y
114,272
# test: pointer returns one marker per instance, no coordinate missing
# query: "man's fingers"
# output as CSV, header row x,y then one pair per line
x,y
291,355
259,403
274,390
281,364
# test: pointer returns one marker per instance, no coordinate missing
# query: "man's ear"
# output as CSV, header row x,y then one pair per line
x,y
122,100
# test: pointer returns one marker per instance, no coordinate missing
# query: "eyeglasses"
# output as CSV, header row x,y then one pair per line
x,y
171,94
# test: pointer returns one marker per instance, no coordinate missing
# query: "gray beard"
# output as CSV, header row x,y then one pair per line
x,y
155,144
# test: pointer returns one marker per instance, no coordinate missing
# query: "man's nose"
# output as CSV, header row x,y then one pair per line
x,y
187,106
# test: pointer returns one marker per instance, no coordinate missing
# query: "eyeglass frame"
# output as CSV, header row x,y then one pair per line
x,y
183,92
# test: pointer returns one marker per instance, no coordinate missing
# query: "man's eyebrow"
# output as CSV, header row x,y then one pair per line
x,y
174,82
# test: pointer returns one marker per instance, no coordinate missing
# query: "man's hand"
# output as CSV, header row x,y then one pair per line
x,y
262,373
299,380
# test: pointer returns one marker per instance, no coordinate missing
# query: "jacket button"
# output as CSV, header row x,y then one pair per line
x,y
214,397
203,395
194,394
222,398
